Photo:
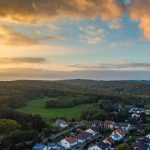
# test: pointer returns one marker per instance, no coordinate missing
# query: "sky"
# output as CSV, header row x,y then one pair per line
x,y
67,39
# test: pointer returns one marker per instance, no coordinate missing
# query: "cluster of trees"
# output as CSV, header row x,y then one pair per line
x,y
95,113
70,100
20,131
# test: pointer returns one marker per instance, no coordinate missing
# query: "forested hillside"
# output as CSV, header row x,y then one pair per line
x,y
15,94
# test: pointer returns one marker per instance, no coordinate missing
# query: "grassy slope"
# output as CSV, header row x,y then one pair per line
x,y
37,107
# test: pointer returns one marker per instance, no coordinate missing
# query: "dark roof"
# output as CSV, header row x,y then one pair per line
x,y
122,124
95,129
84,135
103,145
91,145
145,140
96,122
140,146
38,147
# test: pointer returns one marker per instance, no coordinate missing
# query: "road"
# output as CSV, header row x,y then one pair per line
x,y
52,137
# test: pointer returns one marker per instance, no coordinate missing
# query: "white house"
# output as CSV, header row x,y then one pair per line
x,y
39,147
91,131
123,125
118,134
136,116
99,146
84,136
148,136
68,142
147,111
61,123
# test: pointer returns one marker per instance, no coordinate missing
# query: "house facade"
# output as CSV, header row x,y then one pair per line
x,y
68,142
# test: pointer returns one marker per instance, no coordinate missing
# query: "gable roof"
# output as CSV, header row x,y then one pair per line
x,y
108,140
119,131
103,145
71,140
140,145
145,140
108,122
84,135
38,147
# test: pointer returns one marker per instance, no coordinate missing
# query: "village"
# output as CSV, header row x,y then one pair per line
x,y
101,135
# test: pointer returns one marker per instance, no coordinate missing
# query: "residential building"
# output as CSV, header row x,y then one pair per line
x,y
84,136
147,111
61,123
123,125
92,132
99,146
118,134
96,123
68,142
109,124
39,147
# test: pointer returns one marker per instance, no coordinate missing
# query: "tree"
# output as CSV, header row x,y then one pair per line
x,y
123,146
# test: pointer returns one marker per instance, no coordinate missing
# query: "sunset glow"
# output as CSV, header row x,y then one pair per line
x,y
57,39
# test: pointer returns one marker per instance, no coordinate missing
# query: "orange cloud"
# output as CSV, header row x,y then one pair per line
x,y
30,11
8,36
33,11
140,10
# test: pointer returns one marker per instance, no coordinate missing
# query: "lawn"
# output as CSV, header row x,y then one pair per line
x,y
147,106
37,107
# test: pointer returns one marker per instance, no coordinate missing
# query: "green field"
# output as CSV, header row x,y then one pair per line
x,y
147,106
37,107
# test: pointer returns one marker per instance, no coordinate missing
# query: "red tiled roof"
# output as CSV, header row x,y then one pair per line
x,y
108,122
120,131
70,140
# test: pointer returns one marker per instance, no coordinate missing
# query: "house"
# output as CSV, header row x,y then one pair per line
x,y
39,147
92,132
68,142
140,146
99,146
84,136
147,111
108,140
136,116
123,125
118,134
145,140
52,146
109,124
136,110
148,136
116,137
61,123
96,123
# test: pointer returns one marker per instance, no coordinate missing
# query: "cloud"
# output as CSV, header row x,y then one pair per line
x,y
11,37
34,11
115,25
8,36
115,66
22,60
36,74
92,35
140,10
31,11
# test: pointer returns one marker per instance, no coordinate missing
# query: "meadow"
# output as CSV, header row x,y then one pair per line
x,y
38,107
